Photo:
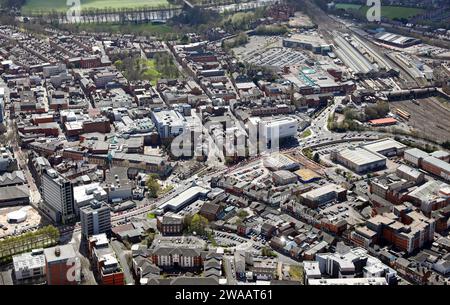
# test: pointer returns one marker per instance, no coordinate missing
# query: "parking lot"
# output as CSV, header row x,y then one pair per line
x,y
342,210
232,240
268,51
278,57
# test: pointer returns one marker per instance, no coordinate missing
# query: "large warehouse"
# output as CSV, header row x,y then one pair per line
x,y
186,197
312,43
359,160
437,167
415,156
397,40
386,147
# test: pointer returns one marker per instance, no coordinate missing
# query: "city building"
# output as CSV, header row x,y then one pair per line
x,y
104,261
283,177
312,43
264,269
63,267
415,156
2,104
437,167
184,198
323,195
396,40
273,130
169,123
170,224
211,211
354,263
405,229
84,194
7,161
95,218
57,193
30,265
349,281
311,271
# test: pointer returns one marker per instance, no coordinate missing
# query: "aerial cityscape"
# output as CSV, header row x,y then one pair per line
x,y
225,142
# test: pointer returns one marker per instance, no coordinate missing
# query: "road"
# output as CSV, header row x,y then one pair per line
x,y
88,275
215,155
229,269
122,256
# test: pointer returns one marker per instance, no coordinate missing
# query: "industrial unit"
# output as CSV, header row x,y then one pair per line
x,y
359,160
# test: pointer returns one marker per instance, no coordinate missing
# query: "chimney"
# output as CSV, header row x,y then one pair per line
x,y
57,251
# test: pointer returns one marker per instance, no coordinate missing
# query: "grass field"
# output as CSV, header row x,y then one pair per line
x,y
60,5
348,6
390,12
306,133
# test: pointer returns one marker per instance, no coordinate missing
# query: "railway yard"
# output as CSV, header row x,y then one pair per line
x,y
429,117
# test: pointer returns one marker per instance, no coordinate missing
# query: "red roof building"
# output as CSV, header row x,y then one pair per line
x,y
383,122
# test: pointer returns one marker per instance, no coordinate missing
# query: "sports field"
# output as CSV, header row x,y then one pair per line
x,y
60,5
387,11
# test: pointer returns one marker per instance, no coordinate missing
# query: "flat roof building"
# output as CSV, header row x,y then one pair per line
x,y
386,147
58,196
84,194
29,265
349,281
312,43
324,194
415,156
95,218
169,123
184,198
437,167
62,265
359,160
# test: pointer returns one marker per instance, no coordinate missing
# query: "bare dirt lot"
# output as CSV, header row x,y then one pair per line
x,y
32,222
430,117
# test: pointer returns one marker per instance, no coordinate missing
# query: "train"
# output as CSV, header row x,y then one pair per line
x,y
411,93
403,114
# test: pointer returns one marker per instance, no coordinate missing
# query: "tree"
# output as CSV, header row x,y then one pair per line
x,y
153,185
379,110
446,144
316,158
198,224
149,239
266,251
242,214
